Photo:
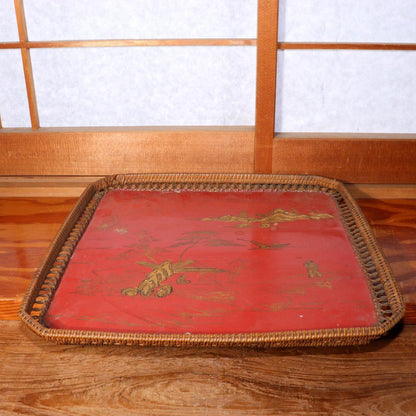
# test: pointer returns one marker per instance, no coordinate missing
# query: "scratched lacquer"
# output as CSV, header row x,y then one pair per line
x,y
213,262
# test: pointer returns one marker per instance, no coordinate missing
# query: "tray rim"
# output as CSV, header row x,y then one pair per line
x,y
76,222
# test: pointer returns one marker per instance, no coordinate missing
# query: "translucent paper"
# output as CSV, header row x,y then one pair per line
x,y
14,108
8,25
347,21
346,91
145,86
140,19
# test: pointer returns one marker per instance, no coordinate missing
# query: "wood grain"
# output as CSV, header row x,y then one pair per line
x,y
115,43
40,378
394,225
348,45
410,317
46,186
27,227
349,158
267,23
382,191
73,186
358,158
125,150
27,64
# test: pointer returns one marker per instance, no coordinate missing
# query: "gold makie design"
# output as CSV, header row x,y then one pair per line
x,y
160,273
276,216
312,268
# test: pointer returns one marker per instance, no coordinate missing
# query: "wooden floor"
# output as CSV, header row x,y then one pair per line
x,y
40,378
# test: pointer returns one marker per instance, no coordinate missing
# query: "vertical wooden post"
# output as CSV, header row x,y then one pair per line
x,y
267,25
27,63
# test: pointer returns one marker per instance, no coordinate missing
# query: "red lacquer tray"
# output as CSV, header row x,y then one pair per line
x,y
214,260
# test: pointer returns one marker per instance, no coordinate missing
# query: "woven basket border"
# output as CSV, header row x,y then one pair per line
x,y
386,295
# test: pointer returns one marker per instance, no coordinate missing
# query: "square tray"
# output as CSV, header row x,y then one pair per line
x,y
214,260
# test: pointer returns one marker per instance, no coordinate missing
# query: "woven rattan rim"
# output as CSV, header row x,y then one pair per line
x,y
383,287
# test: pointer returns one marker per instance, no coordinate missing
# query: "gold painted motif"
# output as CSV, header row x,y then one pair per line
x,y
276,216
182,280
280,306
163,291
264,246
160,273
312,268
326,284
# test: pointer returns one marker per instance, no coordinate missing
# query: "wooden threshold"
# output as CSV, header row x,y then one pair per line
x,y
73,186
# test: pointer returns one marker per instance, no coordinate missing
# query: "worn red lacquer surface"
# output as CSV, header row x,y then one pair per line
x,y
213,262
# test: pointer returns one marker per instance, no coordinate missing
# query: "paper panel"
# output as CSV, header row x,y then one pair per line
x,y
8,25
145,86
140,19
14,109
346,91
347,21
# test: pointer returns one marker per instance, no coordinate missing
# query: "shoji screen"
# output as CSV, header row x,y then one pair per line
x,y
345,90
132,63
346,66
292,86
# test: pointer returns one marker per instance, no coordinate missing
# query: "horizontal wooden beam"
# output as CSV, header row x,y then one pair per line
x,y
105,151
348,45
105,43
353,158
114,43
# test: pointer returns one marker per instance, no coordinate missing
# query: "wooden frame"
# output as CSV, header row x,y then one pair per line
x,y
67,151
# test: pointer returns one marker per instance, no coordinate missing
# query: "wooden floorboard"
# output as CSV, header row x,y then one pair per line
x,y
394,225
40,378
